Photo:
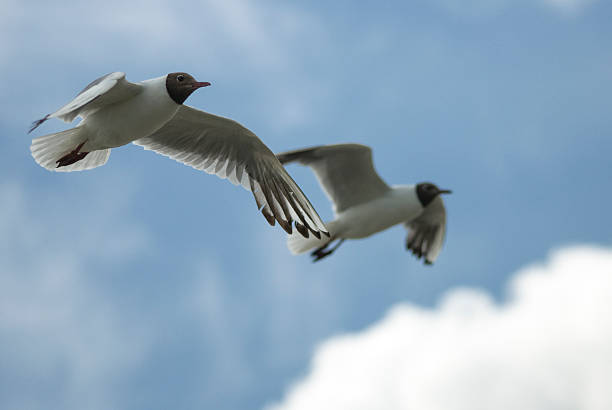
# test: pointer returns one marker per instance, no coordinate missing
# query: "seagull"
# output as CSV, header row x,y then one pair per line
x,y
151,114
364,204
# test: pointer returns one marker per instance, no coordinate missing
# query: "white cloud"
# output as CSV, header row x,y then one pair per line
x,y
548,346
62,338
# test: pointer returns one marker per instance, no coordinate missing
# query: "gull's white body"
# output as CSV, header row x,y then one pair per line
x,y
149,110
398,205
116,112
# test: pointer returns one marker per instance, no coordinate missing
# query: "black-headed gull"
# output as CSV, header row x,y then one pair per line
x,y
364,204
151,114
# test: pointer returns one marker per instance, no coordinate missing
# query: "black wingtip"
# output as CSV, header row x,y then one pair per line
x,y
302,229
286,225
269,217
416,251
428,262
36,123
316,233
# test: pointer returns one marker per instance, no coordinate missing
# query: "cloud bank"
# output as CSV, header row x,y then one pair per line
x,y
548,346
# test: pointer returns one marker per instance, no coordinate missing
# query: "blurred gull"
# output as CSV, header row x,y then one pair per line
x,y
151,114
364,204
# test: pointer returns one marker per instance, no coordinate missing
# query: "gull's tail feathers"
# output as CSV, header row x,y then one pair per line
x,y
48,149
298,244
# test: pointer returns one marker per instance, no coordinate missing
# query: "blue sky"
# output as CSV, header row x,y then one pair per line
x,y
146,284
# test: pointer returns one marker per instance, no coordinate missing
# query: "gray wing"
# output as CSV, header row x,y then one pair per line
x,y
345,171
106,90
427,232
225,148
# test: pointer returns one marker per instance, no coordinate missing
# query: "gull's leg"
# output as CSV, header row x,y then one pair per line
x,y
72,157
321,252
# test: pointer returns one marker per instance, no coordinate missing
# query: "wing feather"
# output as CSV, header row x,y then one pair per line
x,y
345,171
427,232
223,147
108,89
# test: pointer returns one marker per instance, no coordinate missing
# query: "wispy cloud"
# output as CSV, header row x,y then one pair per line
x,y
569,6
107,30
474,8
229,42
546,347
488,8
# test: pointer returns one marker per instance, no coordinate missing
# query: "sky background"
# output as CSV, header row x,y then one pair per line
x,y
144,284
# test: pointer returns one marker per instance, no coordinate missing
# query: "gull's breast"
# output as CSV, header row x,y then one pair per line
x,y
129,120
366,219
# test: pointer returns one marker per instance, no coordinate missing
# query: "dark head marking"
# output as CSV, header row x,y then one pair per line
x,y
427,192
181,85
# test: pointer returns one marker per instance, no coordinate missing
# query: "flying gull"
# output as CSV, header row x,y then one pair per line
x,y
151,114
364,204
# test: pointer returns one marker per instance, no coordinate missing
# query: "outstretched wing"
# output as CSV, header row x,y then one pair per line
x,y
106,90
427,232
345,171
225,148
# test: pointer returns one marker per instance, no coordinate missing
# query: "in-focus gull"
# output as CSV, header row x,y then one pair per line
x,y
151,114
364,204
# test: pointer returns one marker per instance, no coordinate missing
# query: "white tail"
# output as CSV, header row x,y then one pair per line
x,y
47,149
298,244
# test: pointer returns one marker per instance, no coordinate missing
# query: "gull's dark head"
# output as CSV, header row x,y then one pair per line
x,y
181,85
427,192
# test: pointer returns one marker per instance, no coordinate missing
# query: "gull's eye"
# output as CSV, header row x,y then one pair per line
x,y
180,77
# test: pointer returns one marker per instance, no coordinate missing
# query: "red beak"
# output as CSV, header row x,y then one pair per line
x,y
198,85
